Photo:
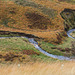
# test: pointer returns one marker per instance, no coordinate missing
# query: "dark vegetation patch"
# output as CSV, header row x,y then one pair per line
x,y
61,49
8,33
20,56
12,12
69,18
30,52
10,56
38,21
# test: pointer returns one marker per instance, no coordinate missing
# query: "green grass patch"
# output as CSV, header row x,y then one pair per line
x,y
15,44
47,46
66,43
18,45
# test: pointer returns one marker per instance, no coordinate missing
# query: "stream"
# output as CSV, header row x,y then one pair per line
x,y
69,32
31,40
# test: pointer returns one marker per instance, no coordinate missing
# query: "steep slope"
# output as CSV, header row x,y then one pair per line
x,y
69,16
40,18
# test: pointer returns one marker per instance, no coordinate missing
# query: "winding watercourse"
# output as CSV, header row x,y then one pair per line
x,y
32,41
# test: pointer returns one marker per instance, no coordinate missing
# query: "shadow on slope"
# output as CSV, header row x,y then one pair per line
x,y
69,18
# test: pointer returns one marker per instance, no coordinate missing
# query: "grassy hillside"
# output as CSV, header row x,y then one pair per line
x,y
30,17
36,18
